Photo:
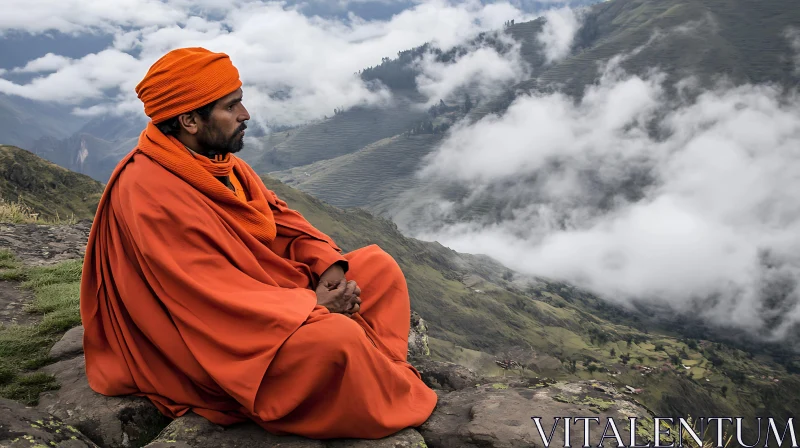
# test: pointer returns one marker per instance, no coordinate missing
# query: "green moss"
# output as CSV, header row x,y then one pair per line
x,y
562,398
499,386
598,403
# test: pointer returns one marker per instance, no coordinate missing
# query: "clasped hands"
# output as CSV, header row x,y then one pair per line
x,y
336,293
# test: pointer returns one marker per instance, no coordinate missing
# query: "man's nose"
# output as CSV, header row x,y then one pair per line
x,y
245,115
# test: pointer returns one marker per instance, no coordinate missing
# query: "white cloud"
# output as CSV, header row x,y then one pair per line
x,y
559,32
793,35
86,78
483,71
587,193
73,16
295,68
47,63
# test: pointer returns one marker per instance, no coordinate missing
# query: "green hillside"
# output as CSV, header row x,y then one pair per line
x,y
381,172
48,189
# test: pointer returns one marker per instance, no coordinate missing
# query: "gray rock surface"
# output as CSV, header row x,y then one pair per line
x,y
499,415
418,337
194,431
26,427
111,422
70,345
446,376
41,245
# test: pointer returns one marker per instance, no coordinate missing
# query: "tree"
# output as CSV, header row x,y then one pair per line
x,y
591,368
724,391
659,347
715,359
573,366
613,352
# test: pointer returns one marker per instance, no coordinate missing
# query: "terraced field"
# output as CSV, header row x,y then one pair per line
x,y
374,177
338,135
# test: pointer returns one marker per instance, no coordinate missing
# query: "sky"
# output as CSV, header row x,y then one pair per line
x,y
705,218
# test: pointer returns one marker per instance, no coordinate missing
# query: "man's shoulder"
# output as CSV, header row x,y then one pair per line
x,y
142,173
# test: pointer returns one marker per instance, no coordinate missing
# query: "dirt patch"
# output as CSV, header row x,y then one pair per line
x,y
13,300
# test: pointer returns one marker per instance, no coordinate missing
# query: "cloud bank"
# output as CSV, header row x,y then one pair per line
x,y
636,196
295,68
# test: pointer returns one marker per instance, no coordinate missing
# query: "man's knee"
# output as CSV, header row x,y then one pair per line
x,y
338,338
387,264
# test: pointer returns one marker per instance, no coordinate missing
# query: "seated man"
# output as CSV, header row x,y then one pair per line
x,y
204,292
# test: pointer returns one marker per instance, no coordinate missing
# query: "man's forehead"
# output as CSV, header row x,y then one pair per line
x,y
236,94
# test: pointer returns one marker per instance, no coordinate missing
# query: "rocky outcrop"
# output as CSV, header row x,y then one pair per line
x,y
418,337
25,427
472,411
109,421
445,376
499,415
70,345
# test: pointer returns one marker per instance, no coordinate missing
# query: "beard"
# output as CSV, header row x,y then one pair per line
x,y
214,142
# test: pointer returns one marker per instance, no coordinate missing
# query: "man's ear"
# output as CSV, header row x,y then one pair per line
x,y
189,122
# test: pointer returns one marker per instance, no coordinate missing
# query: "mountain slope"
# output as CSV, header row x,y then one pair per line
x,y
474,305
22,121
476,309
50,190
84,153
739,39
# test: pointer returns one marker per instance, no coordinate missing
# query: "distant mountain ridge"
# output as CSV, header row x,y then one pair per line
x,y
740,40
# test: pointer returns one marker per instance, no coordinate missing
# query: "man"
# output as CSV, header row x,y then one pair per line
x,y
204,292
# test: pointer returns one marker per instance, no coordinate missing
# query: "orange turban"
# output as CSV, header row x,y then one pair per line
x,y
185,79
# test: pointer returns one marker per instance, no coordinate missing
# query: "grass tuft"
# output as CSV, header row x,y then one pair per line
x,y
24,348
20,213
7,260
66,272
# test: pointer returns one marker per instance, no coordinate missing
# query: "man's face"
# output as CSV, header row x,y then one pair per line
x,y
223,131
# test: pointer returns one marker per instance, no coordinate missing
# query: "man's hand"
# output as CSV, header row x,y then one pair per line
x,y
343,298
332,276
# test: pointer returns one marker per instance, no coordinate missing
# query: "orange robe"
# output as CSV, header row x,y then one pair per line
x,y
190,304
